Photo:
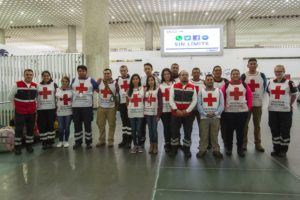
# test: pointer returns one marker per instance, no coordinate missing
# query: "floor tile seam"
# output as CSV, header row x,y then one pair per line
x,y
226,192
217,168
293,173
157,173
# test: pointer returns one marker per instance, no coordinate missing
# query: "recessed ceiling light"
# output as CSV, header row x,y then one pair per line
x,y
139,6
72,10
38,21
273,11
113,17
143,15
206,13
239,12
22,13
174,14
11,22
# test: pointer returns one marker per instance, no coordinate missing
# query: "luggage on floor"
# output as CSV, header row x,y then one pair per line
x,y
7,135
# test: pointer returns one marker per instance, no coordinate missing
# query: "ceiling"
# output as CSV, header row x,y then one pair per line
x,y
272,23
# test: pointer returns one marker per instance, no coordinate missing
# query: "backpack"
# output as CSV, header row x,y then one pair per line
x,y
7,139
263,76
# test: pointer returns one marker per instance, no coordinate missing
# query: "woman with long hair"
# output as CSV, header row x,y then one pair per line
x,y
46,109
135,106
152,111
166,82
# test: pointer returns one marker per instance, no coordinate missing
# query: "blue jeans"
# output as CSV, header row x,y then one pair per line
x,y
152,127
64,127
136,130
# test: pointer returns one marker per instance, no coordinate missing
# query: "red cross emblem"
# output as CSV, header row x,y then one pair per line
x,y
210,100
150,99
135,100
66,99
125,85
253,85
45,92
105,92
277,92
81,88
236,94
166,94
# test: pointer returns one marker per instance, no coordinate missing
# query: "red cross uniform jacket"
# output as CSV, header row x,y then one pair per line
x,y
153,102
136,103
24,97
64,101
280,95
46,96
183,97
237,97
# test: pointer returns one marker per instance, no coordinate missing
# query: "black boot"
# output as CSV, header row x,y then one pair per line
x,y
29,148
241,152
128,141
76,146
173,151
167,147
123,142
45,145
187,152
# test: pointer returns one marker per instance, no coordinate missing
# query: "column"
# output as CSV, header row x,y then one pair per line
x,y
231,33
71,39
95,36
148,36
2,36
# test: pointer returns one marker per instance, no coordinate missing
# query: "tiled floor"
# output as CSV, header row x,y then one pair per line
x,y
112,173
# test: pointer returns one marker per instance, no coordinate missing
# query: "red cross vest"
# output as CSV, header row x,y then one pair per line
x,y
236,98
210,100
136,105
25,98
64,102
123,88
150,102
46,96
165,90
280,98
106,96
82,93
255,82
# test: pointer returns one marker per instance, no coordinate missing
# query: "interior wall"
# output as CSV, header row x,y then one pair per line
x,y
267,58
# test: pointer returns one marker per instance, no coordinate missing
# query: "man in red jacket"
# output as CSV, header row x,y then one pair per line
x,y
24,94
183,99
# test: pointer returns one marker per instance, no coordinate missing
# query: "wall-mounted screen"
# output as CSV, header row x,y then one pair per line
x,y
191,40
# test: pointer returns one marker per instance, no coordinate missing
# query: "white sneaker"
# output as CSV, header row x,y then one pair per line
x,y
60,144
66,144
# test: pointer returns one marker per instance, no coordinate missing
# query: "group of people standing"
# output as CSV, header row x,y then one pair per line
x,y
215,102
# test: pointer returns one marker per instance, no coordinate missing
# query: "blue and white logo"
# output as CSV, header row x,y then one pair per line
x,y
205,37
187,37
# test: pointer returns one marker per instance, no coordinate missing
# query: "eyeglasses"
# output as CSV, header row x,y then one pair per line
x,y
278,71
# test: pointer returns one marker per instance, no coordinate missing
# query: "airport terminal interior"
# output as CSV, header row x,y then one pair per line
x,y
59,35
